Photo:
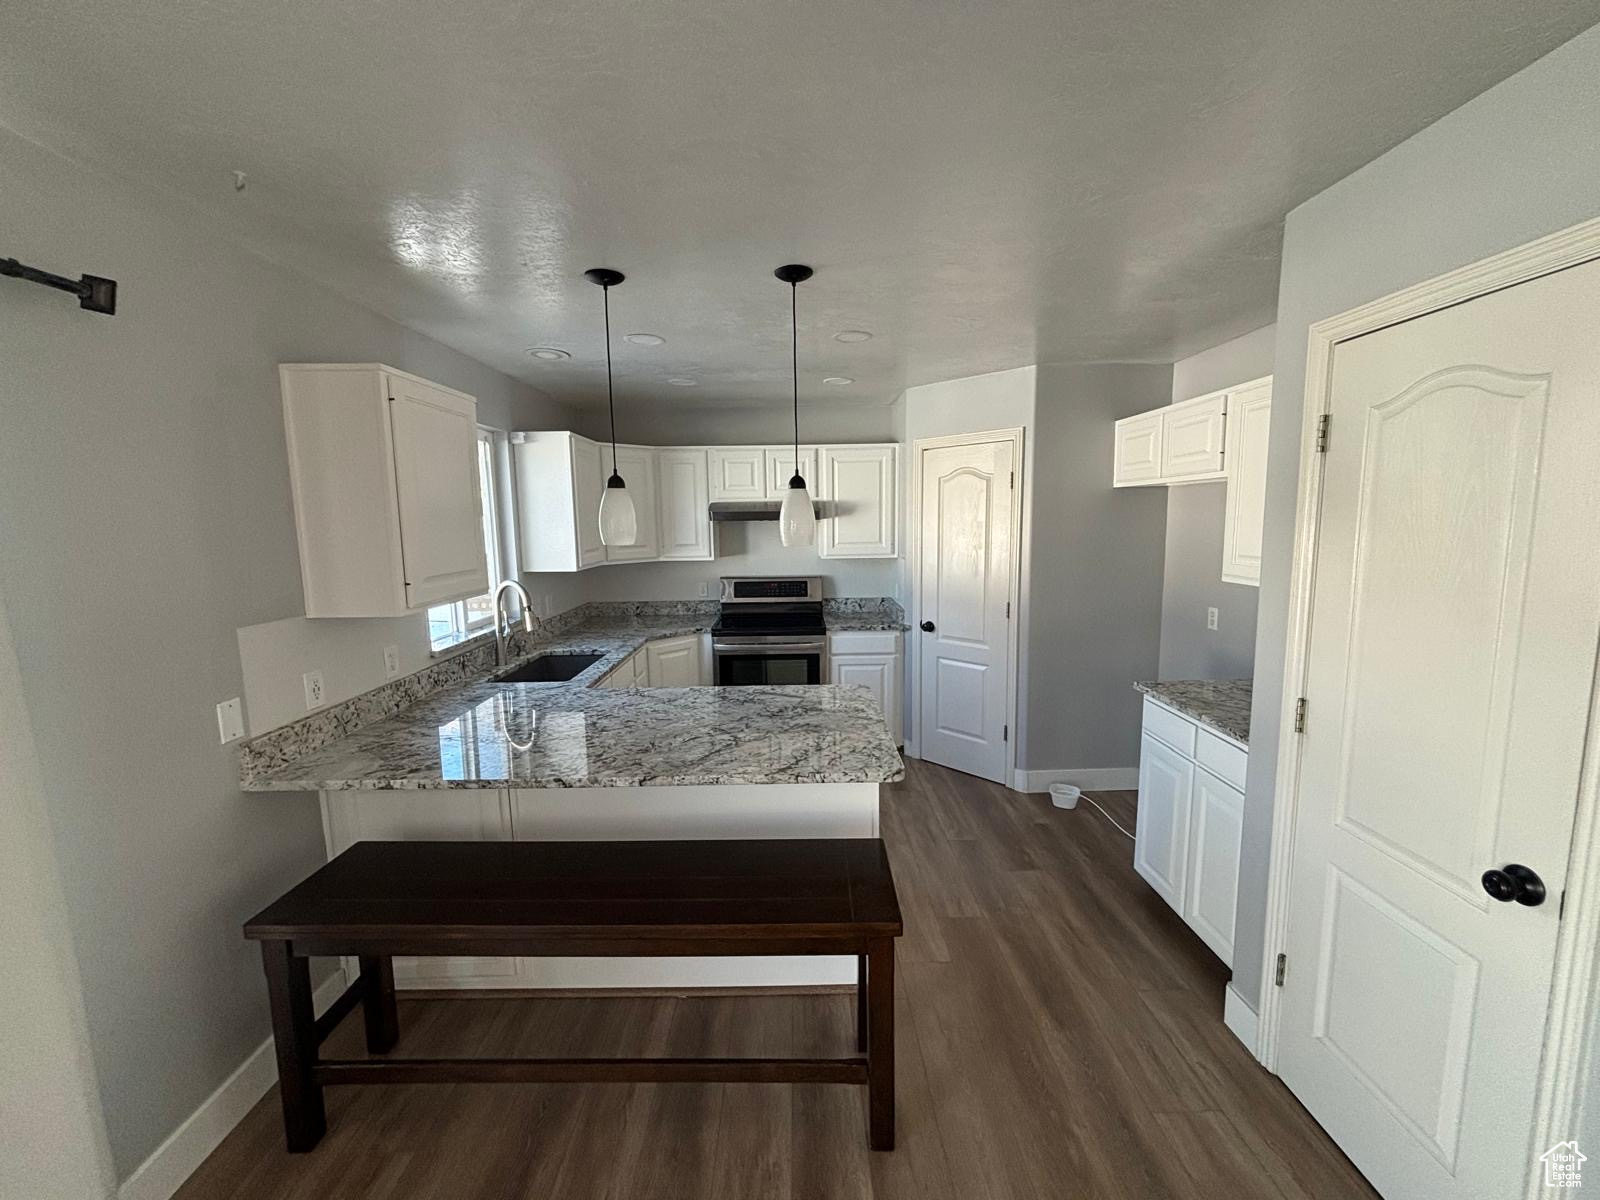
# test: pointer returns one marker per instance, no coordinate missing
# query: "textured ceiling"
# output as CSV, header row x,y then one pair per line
x,y
981,185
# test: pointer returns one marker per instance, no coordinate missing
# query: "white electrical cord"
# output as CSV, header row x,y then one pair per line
x,y
1066,795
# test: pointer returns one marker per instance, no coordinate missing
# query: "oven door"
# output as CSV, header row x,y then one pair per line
x,y
768,662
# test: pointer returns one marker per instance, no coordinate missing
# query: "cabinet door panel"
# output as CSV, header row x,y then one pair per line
x,y
1213,883
469,816
435,436
1137,453
879,673
1191,439
738,473
860,484
675,662
683,488
780,469
1249,421
1161,847
637,465
588,482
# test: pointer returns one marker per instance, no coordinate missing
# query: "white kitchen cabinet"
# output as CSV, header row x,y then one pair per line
x,y
683,500
1137,454
467,816
674,662
738,473
1249,422
859,483
559,482
780,469
1191,815
637,465
873,660
383,471
1161,848
1192,439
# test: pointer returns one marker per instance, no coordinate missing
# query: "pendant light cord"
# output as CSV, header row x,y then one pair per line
x,y
611,399
794,362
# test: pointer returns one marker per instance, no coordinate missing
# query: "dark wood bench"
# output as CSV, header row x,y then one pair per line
x,y
380,899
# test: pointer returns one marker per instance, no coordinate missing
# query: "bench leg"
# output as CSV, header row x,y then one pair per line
x,y
861,1003
294,1036
880,1044
378,1009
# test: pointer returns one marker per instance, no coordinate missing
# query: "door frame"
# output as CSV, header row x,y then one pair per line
x,y
1576,982
1017,437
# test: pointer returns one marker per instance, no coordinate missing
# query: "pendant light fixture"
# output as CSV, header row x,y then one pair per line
x,y
797,519
619,523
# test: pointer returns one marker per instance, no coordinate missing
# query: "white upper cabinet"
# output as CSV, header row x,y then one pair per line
x,y
1191,439
683,499
780,469
1138,450
559,482
1249,421
637,465
384,476
859,482
739,473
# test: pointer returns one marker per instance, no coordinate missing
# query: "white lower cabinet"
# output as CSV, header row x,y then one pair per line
x,y
1191,810
873,660
674,662
424,816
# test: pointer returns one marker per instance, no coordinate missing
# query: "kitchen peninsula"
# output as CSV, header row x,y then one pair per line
x,y
478,759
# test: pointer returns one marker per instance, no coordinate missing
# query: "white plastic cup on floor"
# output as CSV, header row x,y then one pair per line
x,y
1065,795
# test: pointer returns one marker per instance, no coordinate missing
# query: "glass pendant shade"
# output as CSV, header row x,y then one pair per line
x,y
797,519
619,522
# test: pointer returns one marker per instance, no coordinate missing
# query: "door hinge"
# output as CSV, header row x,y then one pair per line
x,y
1013,481
1300,715
1323,422
1005,733
1283,965
1008,610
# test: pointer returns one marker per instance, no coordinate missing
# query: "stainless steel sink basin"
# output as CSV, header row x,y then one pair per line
x,y
549,668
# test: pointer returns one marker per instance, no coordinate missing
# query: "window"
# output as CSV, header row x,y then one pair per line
x,y
450,624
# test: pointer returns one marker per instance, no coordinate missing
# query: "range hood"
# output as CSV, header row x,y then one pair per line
x,y
762,510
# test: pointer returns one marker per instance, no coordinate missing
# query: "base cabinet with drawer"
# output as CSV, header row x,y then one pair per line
x,y
872,659
1191,811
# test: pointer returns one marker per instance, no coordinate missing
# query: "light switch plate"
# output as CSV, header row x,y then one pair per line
x,y
391,661
230,720
1211,618
313,685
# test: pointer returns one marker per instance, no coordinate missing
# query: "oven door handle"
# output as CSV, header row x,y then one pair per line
x,y
765,648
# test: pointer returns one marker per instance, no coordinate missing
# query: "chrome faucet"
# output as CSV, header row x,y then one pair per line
x,y
502,622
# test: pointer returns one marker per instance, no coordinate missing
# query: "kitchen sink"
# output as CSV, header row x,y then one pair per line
x,y
549,668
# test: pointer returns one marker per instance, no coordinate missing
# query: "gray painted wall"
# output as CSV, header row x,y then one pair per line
x,y
1519,162
147,516
1193,576
1094,600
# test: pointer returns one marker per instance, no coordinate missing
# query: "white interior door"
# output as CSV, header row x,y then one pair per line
x,y
1455,620
964,592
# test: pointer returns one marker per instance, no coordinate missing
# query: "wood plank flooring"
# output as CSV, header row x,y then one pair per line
x,y
1060,1034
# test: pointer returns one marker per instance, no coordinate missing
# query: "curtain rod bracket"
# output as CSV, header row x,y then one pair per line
x,y
94,292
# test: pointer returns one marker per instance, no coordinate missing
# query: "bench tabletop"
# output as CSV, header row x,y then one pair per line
x,y
731,889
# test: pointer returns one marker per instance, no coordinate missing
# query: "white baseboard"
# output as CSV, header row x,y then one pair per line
x,y
1090,779
172,1162
1240,1018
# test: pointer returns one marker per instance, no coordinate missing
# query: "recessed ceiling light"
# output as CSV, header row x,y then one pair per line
x,y
644,339
852,335
839,380
546,353
681,382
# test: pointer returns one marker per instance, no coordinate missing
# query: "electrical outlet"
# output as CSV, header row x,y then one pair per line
x,y
313,685
230,720
705,589
391,661
1211,618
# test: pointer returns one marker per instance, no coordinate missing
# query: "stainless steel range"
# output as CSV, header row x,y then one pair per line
x,y
770,631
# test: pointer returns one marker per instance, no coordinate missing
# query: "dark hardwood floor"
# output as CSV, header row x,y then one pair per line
x,y
1060,1035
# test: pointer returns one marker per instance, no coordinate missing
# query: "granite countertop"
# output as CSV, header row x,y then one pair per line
x,y
571,735
864,623
1221,704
